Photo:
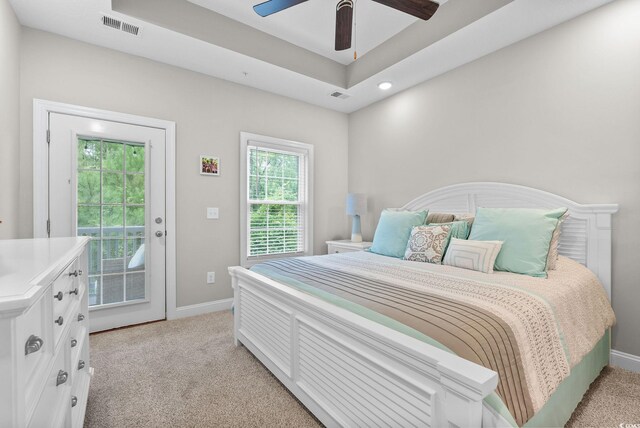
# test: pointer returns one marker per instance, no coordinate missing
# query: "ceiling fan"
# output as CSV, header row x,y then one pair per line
x,y
423,9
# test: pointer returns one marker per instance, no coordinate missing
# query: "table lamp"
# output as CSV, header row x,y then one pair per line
x,y
356,205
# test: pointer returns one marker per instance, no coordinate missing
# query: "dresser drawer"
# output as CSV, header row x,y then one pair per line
x,y
346,246
78,338
36,345
64,289
81,378
53,405
334,249
62,324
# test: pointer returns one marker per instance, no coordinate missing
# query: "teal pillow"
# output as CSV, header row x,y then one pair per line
x,y
393,231
459,229
526,234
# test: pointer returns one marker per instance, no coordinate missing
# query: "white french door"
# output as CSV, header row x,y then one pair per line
x,y
107,181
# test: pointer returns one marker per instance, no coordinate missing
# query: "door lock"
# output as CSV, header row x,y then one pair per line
x,y
158,220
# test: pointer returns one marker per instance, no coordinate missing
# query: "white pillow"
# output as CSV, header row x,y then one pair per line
x,y
474,255
137,260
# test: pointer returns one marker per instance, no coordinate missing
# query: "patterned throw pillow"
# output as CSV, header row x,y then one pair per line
x,y
474,255
427,243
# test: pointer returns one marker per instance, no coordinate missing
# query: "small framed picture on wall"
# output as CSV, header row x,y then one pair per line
x,y
209,165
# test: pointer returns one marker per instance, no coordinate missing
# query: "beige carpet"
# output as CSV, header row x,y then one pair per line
x,y
188,373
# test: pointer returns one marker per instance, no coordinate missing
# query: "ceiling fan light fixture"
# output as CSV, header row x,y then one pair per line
x,y
385,85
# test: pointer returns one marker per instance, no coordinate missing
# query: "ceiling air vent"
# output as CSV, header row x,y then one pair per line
x,y
341,95
130,28
111,22
120,25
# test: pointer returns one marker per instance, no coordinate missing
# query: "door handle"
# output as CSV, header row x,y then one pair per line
x,y
159,234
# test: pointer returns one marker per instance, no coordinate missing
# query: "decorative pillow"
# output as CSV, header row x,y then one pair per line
x,y
459,229
427,243
552,258
439,218
474,255
468,217
393,231
526,234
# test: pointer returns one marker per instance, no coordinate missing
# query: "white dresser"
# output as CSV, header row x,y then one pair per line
x,y
44,332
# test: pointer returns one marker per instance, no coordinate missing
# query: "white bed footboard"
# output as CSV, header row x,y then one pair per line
x,y
350,371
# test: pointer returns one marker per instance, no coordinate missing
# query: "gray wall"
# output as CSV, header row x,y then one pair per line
x,y
209,113
559,111
9,120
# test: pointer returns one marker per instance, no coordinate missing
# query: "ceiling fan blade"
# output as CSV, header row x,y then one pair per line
x,y
423,9
344,21
272,6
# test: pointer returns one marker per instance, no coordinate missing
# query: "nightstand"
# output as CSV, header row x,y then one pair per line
x,y
346,246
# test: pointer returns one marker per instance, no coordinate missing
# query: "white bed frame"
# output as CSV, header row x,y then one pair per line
x,y
350,371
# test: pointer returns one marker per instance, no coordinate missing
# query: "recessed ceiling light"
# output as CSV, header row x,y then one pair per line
x,y
385,85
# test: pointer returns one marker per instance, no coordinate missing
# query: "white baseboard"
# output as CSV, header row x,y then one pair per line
x,y
625,361
202,308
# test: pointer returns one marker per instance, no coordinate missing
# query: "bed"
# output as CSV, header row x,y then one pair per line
x,y
353,366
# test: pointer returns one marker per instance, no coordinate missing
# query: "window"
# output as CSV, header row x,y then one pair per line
x,y
276,200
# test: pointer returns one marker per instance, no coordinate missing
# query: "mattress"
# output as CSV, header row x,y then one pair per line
x,y
531,331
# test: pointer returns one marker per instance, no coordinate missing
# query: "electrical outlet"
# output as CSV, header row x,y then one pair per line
x,y
212,213
211,277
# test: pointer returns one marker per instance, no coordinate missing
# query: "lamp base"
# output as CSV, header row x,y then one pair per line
x,y
356,234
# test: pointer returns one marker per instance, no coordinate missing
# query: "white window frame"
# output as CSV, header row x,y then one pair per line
x,y
247,139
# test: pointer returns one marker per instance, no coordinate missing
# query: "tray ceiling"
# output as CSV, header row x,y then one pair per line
x,y
288,61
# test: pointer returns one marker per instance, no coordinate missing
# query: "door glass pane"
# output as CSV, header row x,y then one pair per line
x,y
112,156
135,189
95,290
111,210
89,154
89,187
135,286
113,288
112,188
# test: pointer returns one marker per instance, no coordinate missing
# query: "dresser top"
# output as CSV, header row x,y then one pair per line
x,y
27,266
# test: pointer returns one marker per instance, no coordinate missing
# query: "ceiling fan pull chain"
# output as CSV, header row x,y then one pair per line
x,y
355,30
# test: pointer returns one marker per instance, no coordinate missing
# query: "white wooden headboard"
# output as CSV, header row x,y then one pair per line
x,y
586,234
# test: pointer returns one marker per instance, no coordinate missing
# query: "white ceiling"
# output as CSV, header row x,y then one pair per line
x,y
311,25
80,19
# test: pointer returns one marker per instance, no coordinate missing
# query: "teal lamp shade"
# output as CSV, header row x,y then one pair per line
x,y
356,206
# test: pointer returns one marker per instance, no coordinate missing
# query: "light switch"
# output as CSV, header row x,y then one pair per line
x,y
212,213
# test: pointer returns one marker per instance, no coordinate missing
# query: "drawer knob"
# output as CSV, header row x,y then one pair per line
x,y
62,377
34,344
80,317
74,401
74,291
60,320
74,273
80,364
74,343
58,296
